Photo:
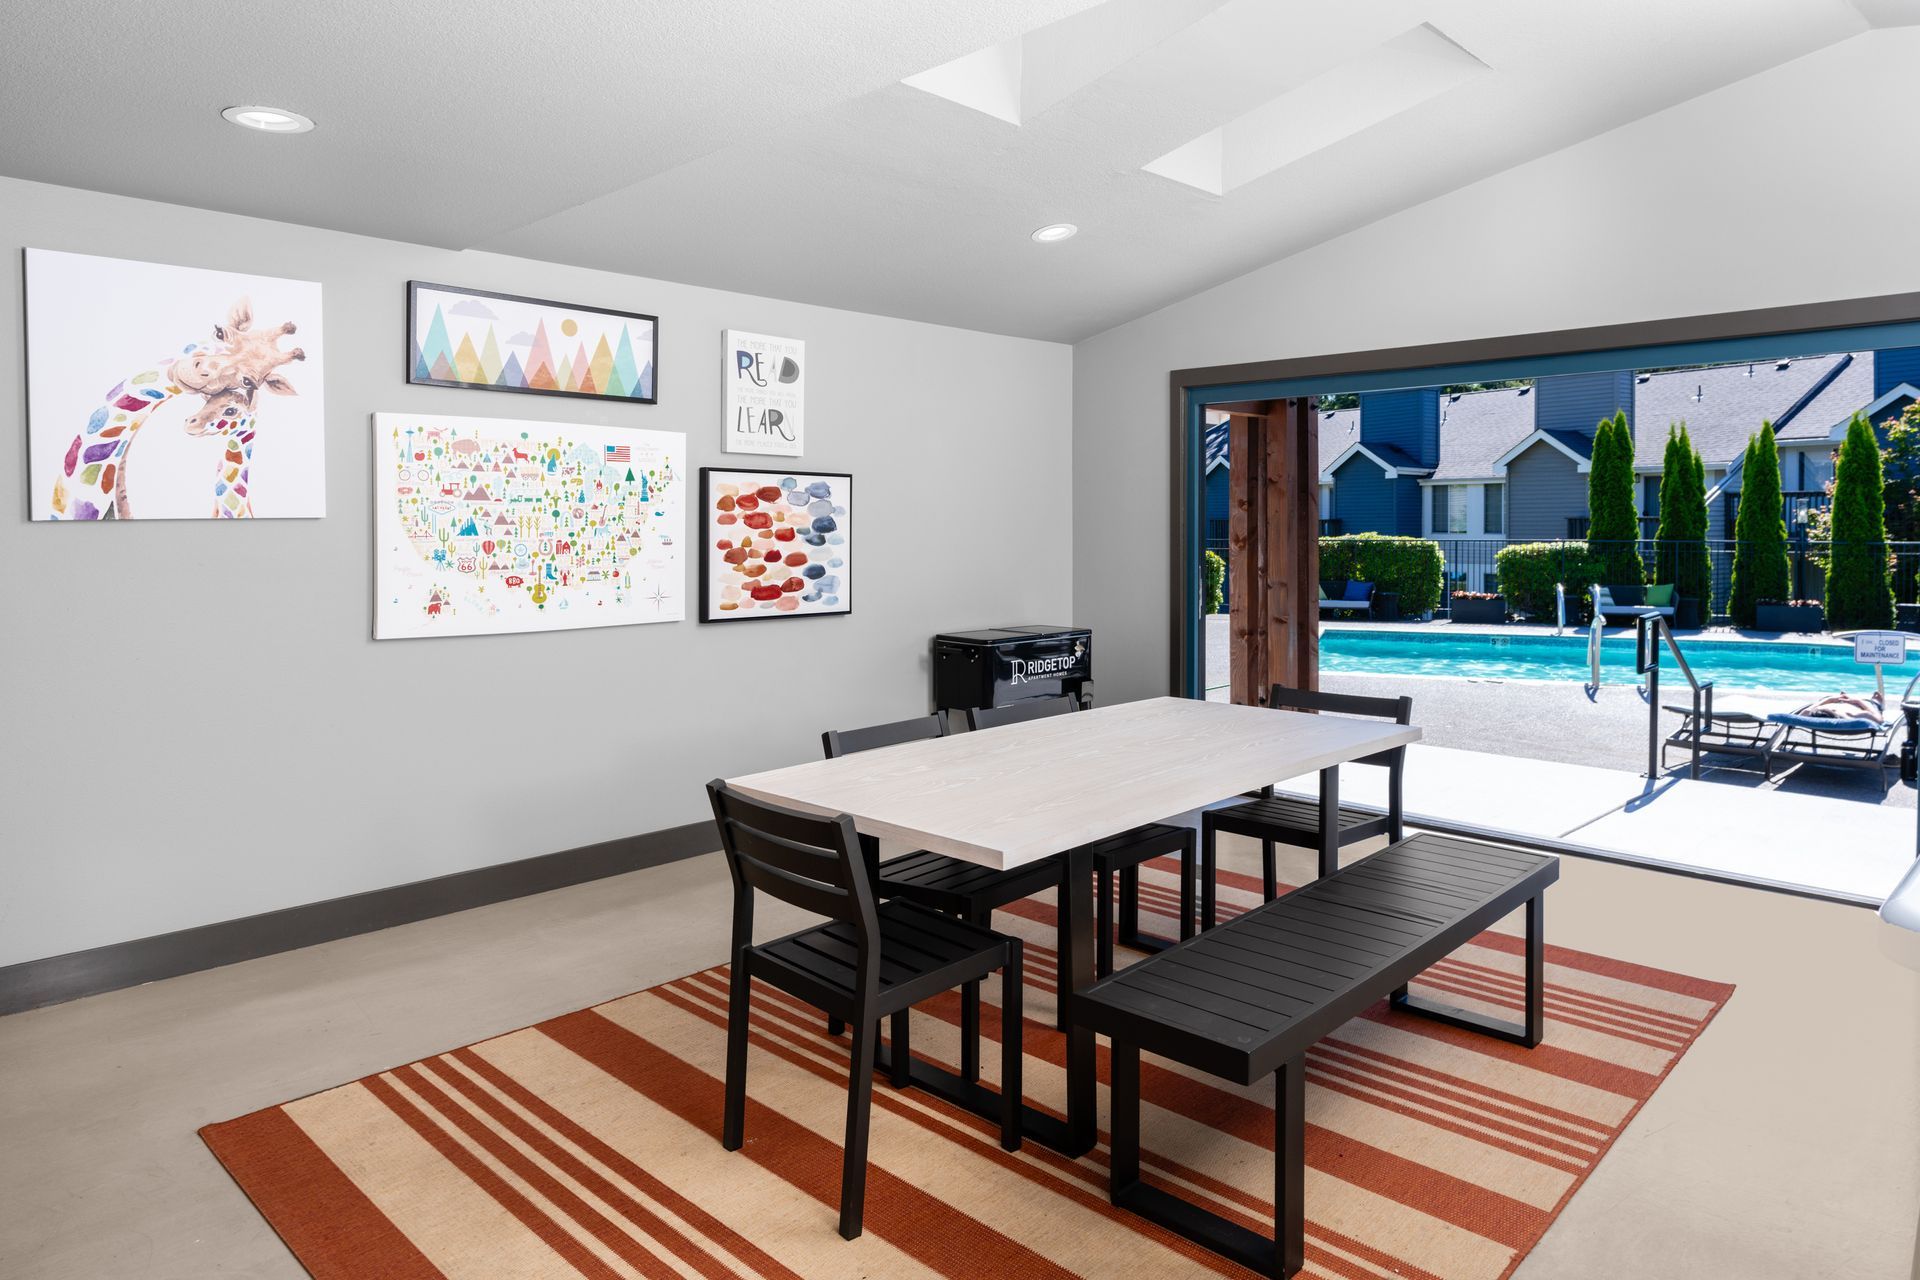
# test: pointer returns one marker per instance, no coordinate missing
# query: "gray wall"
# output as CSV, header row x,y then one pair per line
x,y
1544,487
145,788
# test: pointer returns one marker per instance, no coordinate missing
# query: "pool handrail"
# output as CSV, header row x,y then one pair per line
x,y
1559,608
1702,697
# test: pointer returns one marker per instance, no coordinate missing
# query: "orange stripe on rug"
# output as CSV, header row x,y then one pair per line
x,y
328,1223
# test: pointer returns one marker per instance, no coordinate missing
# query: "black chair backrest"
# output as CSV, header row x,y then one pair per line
x,y
842,742
1021,712
1399,710
812,862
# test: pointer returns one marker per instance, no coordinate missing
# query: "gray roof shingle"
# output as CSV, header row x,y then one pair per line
x,y
1723,407
1476,427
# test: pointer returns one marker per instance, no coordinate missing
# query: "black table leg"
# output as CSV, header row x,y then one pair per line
x,y
1076,907
1329,820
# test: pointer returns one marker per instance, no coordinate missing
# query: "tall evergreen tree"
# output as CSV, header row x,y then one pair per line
x,y
1676,478
1760,570
1682,537
1699,488
1613,521
1859,590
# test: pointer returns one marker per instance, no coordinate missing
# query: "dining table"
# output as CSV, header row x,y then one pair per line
x,y
1008,796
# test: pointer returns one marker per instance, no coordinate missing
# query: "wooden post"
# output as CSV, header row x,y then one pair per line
x,y
1274,538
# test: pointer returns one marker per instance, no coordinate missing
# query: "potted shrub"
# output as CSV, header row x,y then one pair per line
x,y
1790,615
1479,607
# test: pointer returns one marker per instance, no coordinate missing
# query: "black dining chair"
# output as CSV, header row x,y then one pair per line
x,y
871,960
1288,820
951,885
1121,855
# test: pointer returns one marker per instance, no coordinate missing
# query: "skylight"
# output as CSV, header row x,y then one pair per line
x,y
1414,67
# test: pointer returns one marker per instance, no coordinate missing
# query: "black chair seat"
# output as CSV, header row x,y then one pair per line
x,y
957,886
1273,819
922,954
1293,820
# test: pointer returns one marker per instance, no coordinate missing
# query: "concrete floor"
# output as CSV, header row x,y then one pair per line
x,y
1785,1144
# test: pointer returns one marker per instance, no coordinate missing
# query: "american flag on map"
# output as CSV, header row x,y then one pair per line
x,y
619,453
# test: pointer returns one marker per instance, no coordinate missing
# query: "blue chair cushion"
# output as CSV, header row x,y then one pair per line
x,y
1359,591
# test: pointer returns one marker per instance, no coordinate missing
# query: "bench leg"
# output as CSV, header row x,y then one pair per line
x,y
1290,1167
1284,1254
1129,932
1527,1033
1269,872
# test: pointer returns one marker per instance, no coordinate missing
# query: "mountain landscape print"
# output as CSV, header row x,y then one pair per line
x,y
502,342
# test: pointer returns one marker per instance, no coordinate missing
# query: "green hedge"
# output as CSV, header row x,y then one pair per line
x,y
1213,576
1409,567
1529,570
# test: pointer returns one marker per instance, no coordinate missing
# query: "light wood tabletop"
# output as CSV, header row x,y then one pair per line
x,y
1008,796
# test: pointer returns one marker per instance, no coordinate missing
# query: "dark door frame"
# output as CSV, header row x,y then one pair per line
x,y
1887,320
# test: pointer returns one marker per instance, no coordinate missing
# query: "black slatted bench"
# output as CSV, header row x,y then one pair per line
x,y
1247,999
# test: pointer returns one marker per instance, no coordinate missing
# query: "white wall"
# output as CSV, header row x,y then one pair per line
x,y
198,727
1796,186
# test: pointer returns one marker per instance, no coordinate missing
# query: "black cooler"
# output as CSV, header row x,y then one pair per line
x,y
1010,664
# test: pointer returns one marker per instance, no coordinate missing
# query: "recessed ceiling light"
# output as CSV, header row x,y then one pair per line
x,y
1056,231
268,119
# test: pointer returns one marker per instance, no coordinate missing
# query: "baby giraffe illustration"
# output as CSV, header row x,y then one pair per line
x,y
227,375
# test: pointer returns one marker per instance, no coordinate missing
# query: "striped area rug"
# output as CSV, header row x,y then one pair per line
x,y
588,1145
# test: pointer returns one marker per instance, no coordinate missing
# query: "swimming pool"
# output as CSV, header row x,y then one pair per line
x,y
1825,666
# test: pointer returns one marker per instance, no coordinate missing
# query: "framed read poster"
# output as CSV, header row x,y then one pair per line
x,y
774,544
765,394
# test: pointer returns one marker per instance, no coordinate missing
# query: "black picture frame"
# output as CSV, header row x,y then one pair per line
x,y
413,302
708,550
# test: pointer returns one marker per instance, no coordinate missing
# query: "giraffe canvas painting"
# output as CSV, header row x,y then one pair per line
x,y
165,392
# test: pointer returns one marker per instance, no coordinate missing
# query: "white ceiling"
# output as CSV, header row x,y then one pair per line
x,y
772,148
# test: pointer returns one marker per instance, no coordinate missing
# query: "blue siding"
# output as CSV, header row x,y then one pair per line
x,y
1216,490
1408,420
1891,368
1365,500
1577,401
1407,491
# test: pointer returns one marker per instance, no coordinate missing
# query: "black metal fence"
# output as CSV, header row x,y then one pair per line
x,y
1472,564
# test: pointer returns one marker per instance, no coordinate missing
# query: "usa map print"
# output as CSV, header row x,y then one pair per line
x,y
492,525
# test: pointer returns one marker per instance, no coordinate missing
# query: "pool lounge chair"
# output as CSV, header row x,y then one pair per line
x,y
1728,727
1862,742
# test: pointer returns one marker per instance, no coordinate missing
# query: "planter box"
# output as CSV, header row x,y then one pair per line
x,y
1686,613
1386,606
1481,612
1790,617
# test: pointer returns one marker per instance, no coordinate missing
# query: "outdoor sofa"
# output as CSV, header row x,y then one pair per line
x,y
1346,597
1633,600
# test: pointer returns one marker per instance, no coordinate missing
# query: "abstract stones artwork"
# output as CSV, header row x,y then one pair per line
x,y
776,544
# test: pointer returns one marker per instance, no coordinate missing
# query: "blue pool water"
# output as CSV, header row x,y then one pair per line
x,y
1731,664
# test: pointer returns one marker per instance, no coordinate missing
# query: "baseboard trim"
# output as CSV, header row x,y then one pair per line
x,y
34,984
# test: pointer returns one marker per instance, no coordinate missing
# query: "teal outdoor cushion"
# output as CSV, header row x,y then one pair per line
x,y
1661,597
